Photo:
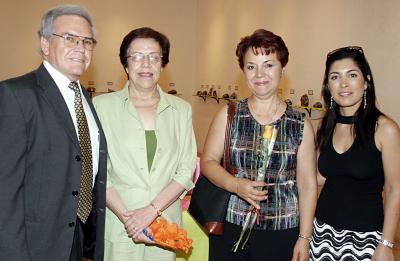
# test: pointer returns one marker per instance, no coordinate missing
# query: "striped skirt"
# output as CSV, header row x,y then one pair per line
x,y
329,244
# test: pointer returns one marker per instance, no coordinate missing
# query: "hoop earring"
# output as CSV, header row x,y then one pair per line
x,y
365,99
331,106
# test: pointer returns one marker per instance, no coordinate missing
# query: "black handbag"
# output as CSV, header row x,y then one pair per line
x,y
209,203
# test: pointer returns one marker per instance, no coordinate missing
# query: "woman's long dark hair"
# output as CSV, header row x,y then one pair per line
x,y
364,118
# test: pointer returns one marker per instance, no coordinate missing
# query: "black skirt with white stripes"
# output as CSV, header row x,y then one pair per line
x,y
329,244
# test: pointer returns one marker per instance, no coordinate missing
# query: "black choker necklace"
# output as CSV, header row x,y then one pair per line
x,y
344,119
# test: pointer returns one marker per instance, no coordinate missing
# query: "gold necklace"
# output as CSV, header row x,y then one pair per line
x,y
277,105
146,103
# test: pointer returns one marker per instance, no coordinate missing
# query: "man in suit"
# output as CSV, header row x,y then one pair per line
x,y
53,151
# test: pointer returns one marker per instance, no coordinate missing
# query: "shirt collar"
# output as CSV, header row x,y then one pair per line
x,y
61,80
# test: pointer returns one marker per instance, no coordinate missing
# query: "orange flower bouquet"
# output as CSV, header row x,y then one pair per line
x,y
168,235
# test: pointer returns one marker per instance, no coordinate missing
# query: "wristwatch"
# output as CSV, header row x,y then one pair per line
x,y
386,243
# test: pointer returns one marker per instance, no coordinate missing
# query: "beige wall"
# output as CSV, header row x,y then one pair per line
x,y
113,20
204,34
310,29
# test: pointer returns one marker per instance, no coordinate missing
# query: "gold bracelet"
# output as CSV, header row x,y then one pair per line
x,y
305,237
159,212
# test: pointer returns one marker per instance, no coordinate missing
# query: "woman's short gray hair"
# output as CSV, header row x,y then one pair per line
x,y
46,29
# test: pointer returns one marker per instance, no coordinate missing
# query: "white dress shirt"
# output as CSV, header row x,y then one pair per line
x,y
68,94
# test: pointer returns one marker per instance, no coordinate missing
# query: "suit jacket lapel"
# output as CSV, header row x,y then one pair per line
x,y
54,98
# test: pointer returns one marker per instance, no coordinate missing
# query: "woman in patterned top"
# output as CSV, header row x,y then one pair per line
x,y
286,203
359,150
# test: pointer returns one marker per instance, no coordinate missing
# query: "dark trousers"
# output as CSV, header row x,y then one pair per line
x,y
263,245
77,245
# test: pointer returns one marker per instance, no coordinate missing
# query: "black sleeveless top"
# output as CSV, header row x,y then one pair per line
x,y
351,198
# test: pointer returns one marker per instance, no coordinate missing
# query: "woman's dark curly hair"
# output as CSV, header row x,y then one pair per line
x,y
265,42
144,32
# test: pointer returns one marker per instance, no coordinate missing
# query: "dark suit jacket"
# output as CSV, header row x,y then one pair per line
x,y
40,173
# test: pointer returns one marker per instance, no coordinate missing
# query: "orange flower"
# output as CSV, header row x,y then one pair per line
x,y
170,235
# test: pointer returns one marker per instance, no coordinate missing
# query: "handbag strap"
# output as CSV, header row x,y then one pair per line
x,y
227,155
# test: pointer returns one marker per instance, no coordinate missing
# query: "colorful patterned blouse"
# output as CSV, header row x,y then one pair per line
x,y
280,210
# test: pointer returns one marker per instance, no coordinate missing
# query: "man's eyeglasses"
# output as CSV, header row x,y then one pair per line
x,y
347,48
72,41
154,58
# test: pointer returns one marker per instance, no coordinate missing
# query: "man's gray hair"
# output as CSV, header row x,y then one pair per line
x,y
46,29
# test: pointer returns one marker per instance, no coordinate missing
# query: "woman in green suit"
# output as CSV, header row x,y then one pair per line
x,y
152,150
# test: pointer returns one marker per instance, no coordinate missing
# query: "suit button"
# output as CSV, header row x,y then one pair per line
x,y
78,158
75,193
72,224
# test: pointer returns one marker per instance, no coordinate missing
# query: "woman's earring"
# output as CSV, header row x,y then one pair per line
x,y
365,99
331,106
